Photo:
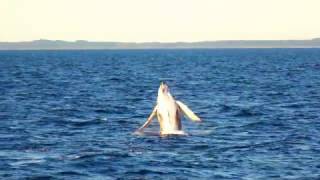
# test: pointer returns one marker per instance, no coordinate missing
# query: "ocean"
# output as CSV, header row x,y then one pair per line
x,y
71,114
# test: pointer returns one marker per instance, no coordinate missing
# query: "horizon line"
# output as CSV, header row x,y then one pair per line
x,y
138,42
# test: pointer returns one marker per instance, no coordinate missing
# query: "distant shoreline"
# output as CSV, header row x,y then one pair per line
x,y
149,49
88,45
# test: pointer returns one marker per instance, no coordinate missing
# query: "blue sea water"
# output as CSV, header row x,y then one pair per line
x,y
71,114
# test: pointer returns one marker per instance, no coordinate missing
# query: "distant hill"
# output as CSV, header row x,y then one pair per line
x,y
58,44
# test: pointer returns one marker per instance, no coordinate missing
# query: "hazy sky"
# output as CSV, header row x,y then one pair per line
x,y
158,20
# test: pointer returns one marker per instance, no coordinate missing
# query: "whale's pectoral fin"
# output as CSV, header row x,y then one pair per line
x,y
150,118
187,111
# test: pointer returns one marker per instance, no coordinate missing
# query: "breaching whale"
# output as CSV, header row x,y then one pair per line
x,y
168,112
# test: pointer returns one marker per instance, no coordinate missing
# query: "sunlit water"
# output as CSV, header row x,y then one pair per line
x,y
71,114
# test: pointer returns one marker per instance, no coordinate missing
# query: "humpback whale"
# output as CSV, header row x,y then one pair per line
x,y
169,112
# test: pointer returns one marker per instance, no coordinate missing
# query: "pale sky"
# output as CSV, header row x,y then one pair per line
x,y
158,20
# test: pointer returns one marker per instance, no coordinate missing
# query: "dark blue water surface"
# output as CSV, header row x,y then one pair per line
x,y
71,114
